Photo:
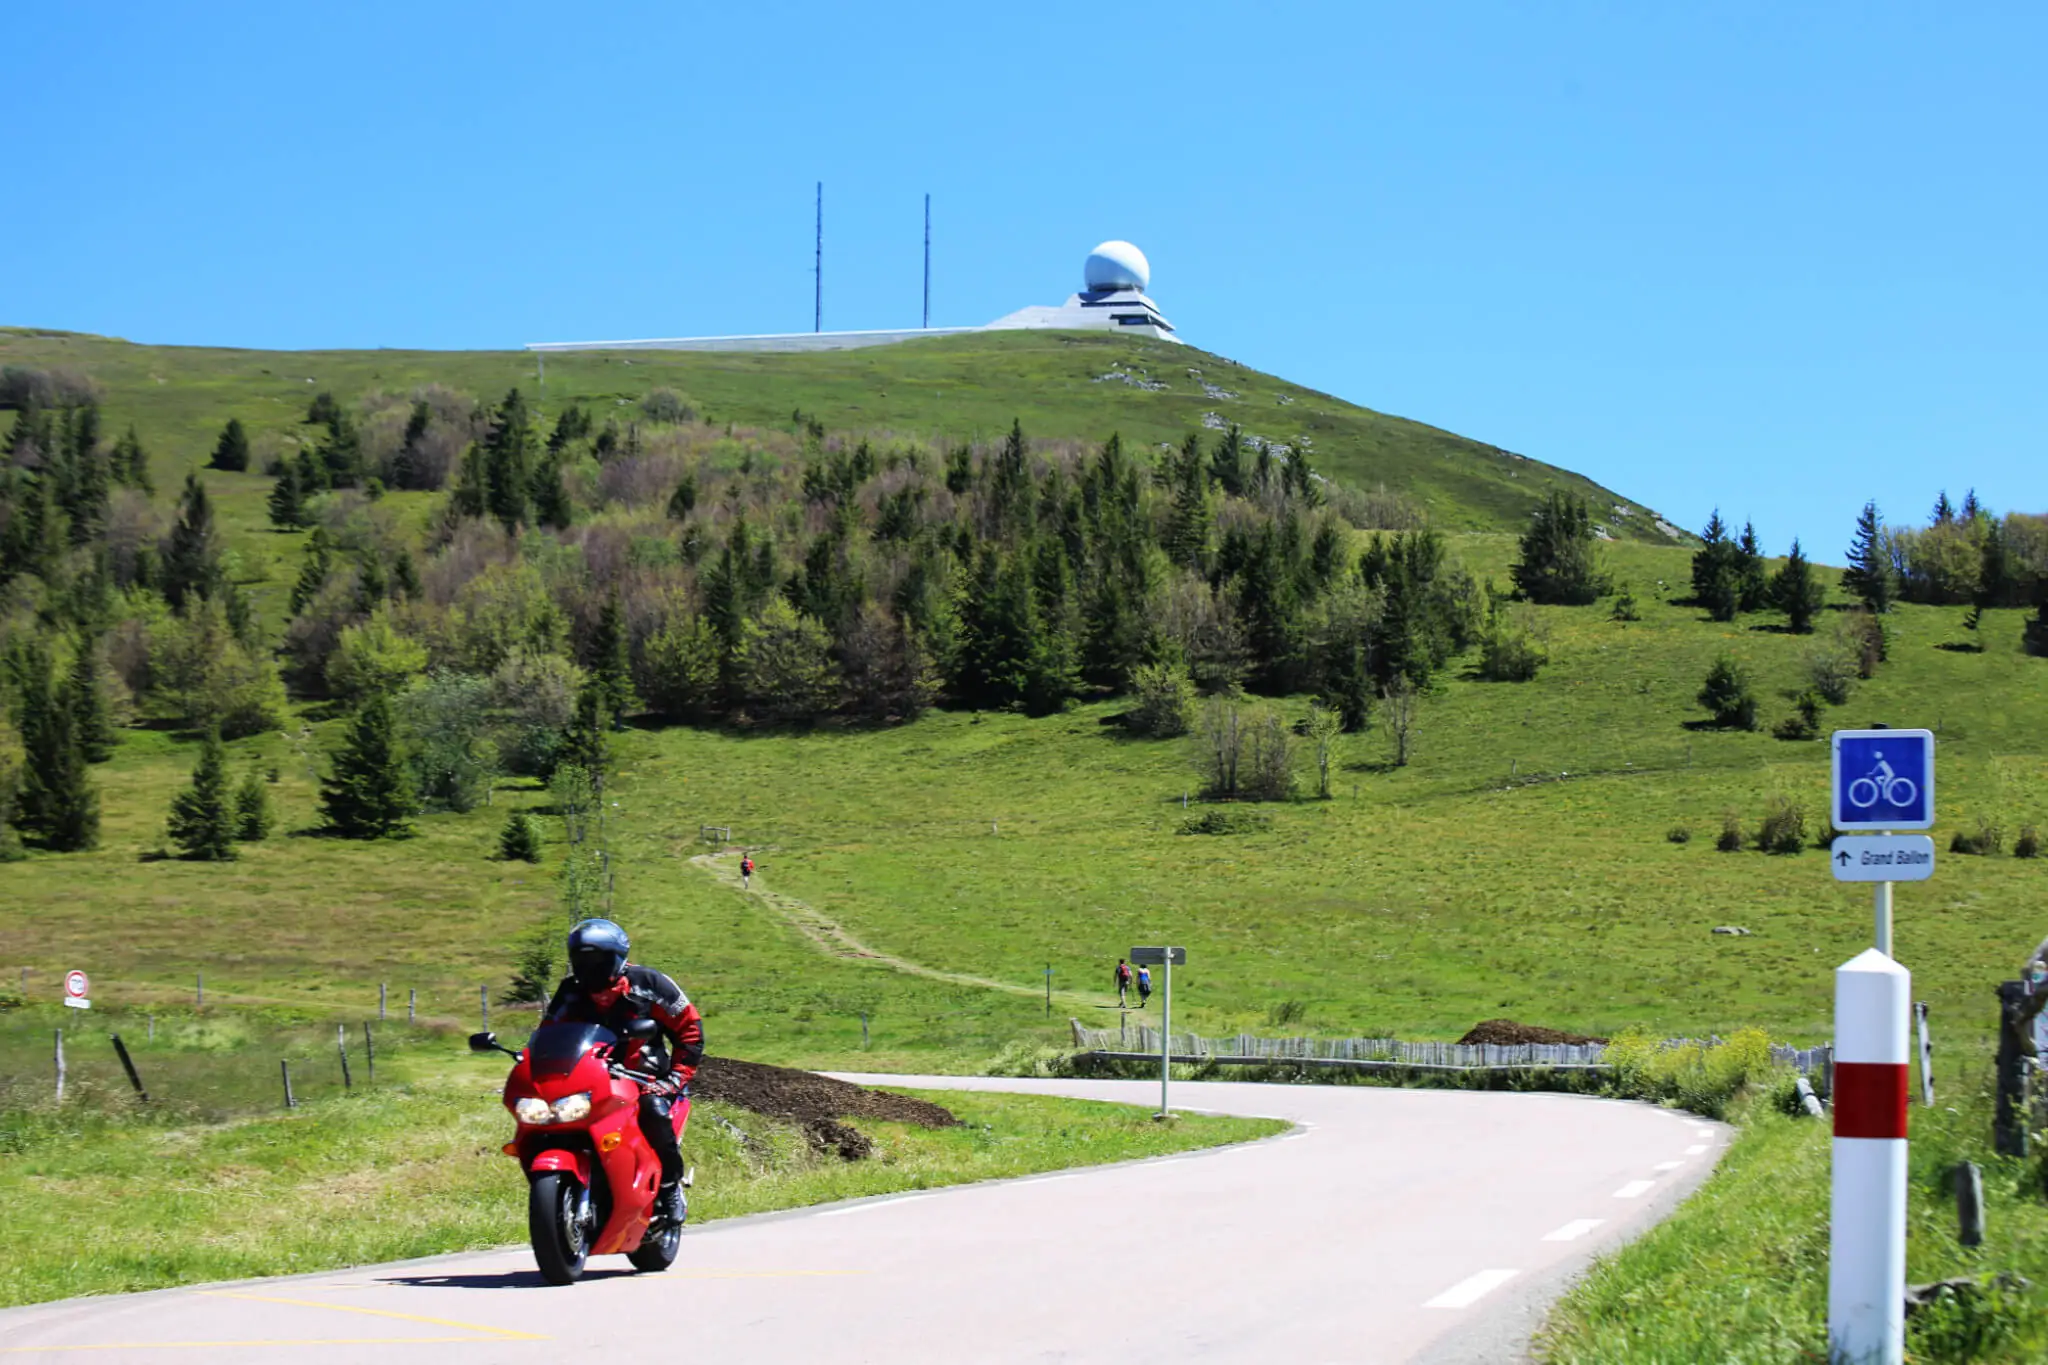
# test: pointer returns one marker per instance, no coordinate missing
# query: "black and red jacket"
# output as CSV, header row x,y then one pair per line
x,y
639,993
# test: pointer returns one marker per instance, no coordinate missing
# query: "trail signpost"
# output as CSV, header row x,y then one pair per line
x,y
1883,780
76,991
1169,958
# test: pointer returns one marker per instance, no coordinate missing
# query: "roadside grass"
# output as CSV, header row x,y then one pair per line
x,y
1739,1272
105,1201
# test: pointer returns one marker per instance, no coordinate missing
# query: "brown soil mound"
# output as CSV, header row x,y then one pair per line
x,y
814,1103
1507,1031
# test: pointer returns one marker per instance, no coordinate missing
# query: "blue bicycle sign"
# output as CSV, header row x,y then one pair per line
x,y
1883,779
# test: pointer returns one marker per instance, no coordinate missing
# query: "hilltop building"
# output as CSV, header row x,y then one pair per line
x,y
1112,298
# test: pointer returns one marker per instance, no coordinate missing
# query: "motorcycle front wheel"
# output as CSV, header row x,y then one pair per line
x,y
556,1223
657,1250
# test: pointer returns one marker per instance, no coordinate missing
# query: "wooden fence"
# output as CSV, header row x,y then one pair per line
x,y
1244,1049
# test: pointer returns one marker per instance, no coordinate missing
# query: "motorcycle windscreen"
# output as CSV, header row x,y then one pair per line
x,y
554,1049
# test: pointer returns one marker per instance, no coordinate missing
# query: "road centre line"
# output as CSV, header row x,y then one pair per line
x,y
1467,1292
503,1333
1698,1149
1573,1230
1634,1188
1669,1165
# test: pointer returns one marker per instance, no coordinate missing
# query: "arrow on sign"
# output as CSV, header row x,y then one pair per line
x,y
1842,858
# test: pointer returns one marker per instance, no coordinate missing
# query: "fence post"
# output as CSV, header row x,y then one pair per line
x,y
285,1069
369,1056
863,1030
380,1002
152,1028
1926,1055
1867,1201
1969,1204
60,1066
199,993
121,1050
1048,990
341,1046
483,995
2015,1051
412,1001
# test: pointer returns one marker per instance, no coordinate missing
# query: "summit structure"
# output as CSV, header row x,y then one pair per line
x,y
1112,298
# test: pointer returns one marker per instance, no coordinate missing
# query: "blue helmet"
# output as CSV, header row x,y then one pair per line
x,y
597,953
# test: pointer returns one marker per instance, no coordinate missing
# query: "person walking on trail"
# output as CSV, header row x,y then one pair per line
x,y
1144,986
746,872
1123,984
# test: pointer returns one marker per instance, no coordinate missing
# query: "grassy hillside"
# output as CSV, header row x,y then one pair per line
x,y
1059,384
1519,866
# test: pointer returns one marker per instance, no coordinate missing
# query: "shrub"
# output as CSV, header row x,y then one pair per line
x,y
1678,834
1831,665
1702,1077
373,656
2028,845
1625,608
533,967
255,817
1804,723
1727,697
666,405
1731,833
1267,773
1784,827
1986,840
519,841
1226,820
1286,1012
1511,650
1164,697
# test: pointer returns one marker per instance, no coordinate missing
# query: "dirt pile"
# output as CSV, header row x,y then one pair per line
x,y
1508,1032
812,1102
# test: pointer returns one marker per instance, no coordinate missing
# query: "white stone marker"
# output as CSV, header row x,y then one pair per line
x,y
1867,1254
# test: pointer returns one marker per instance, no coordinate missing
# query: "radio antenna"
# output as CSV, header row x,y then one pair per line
x,y
818,267
927,261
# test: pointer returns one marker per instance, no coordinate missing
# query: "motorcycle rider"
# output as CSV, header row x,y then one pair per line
x,y
603,988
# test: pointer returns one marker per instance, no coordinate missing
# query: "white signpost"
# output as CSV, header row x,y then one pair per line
x,y
1167,958
76,987
1883,780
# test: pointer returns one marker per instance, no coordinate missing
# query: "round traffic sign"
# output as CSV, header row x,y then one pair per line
x,y
75,985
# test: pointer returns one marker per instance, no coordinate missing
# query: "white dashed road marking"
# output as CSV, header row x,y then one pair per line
x,y
877,1204
1669,1165
1465,1293
1698,1150
1572,1231
1634,1188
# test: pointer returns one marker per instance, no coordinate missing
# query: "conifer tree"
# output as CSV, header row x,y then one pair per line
x,y
1715,583
191,566
585,745
550,499
1796,592
130,462
405,577
286,503
58,800
519,841
1226,462
684,500
24,541
255,817
406,470
1753,586
610,661
1944,510
341,453
472,495
508,462
1559,563
1869,575
203,816
1187,535
231,451
88,689
313,573
368,793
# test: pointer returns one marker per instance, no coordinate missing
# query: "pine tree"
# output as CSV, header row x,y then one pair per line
x,y
58,799
684,500
1727,697
368,793
1187,535
472,495
585,745
203,817
341,454
1559,563
131,462
313,573
610,661
519,841
255,817
88,690
1796,592
1869,575
231,451
405,577
286,503
1752,580
508,462
191,566
407,469
550,498
1944,510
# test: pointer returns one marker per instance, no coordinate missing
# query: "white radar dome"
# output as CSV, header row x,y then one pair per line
x,y
1116,265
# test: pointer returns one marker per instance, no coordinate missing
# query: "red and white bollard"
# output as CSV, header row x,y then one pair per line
x,y
1867,1254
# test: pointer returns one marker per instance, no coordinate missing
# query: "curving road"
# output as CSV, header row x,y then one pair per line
x,y
1425,1226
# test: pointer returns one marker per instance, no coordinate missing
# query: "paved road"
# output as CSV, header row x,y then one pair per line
x,y
1424,1226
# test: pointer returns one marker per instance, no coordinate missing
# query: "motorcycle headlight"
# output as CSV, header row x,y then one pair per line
x,y
531,1110
572,1107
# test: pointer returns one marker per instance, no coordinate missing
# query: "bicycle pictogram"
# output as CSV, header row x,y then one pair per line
x,y
1881,781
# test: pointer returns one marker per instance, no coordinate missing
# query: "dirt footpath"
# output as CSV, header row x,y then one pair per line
x,y
817,1104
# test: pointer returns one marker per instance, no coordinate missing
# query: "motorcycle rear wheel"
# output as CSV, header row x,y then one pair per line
x,y
657,1250
555,1217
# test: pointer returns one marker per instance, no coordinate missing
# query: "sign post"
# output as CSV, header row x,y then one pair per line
x,y
77,989
1883,780
1163,957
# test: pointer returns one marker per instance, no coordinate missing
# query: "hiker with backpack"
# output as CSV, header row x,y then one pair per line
x,y
1123,984
1144,986
746,872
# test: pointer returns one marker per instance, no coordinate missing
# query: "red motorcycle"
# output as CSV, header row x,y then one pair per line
x,y
591,1175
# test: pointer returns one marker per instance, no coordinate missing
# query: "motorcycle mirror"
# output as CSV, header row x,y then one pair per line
x,y
642,1029
483,1042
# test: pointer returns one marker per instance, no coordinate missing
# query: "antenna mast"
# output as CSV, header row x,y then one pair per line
x,y
927,261
818,267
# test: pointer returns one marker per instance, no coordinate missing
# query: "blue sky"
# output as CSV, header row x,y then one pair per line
x,y
1773,258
